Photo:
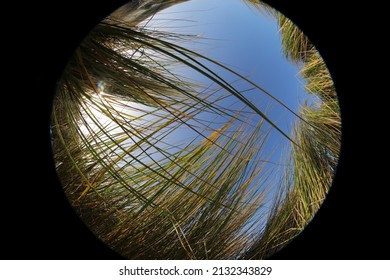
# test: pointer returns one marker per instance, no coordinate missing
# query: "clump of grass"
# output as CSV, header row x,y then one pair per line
x,y
313,161
307,180
317,77
296,45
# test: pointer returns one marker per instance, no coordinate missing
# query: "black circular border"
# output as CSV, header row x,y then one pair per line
x,y
38,220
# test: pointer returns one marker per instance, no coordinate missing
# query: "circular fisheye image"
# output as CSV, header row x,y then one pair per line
x,y
196,129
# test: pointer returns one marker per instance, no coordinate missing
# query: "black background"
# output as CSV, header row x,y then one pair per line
x,y
36,219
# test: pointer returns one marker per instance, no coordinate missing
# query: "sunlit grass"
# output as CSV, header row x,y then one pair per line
x,y
318,79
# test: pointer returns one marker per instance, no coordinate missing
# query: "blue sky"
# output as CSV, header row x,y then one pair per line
x,y
249,42
238,36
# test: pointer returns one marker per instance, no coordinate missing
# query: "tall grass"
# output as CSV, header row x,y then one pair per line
x,y
149,192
